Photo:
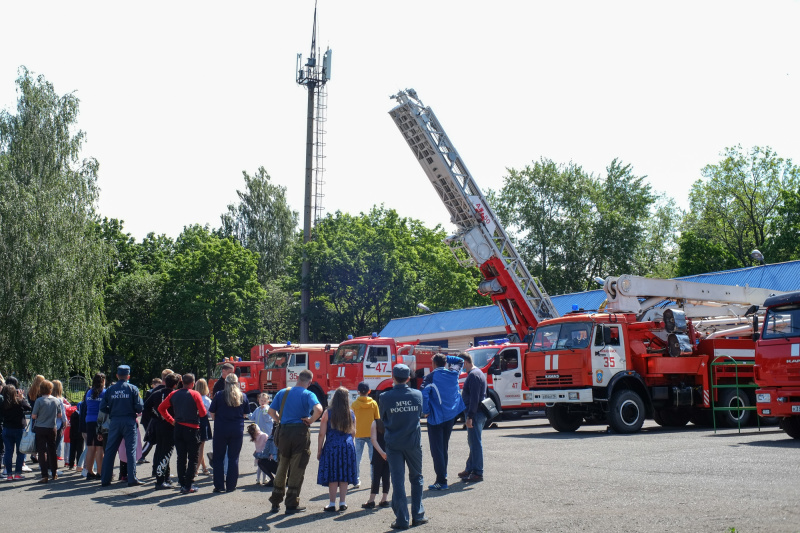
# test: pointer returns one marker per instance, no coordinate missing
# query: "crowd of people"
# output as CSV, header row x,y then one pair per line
x,y
175,415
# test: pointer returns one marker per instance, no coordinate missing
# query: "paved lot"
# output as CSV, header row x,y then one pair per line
x,y
536,480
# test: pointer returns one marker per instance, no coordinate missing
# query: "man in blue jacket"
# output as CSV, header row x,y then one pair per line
x,y
401,409
442,403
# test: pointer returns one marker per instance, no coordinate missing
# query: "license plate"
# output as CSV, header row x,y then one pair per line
x,y
796,408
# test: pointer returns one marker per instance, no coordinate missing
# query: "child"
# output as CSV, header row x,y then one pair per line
x,y
366,410
380,467
266,455
205,426
335,451
261,415
75,439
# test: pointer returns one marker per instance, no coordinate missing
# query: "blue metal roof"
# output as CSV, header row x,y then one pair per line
x,y
779,277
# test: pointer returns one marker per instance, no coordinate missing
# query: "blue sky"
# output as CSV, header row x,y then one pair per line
x,y
177,98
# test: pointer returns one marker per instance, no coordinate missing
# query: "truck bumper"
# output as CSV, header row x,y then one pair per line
x,y
778,402
550,397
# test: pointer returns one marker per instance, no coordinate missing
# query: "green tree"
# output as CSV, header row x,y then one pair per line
x,y
547,208
737,203
263,222
210,301
784,244
368,269
569,226
52,262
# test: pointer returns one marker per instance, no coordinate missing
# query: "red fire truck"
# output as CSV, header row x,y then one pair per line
x,y
642,356
503,363
372,358
274,366
778,363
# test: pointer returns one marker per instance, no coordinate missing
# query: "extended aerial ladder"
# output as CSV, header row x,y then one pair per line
x,y
479,232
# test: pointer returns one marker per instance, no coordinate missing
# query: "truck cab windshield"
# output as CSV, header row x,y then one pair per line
x,y
276,360
483,357
782,322
349,353
564,336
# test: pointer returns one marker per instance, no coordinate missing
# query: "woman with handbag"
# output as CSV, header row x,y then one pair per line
x,y
45,413
12,410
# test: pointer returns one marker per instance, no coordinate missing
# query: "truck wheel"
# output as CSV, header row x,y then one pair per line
x,y
670,417
562,420
701,417
323,400
626,412
791,425
734,399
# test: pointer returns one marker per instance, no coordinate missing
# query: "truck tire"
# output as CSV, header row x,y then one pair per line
x,y
701,417
626,411
323,400
670,417
562,420
791,425
734,398
252,400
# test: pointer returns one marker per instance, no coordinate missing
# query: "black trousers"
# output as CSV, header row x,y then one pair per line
x,y
269,467
187,444
165,443
75,447
380,472
46,448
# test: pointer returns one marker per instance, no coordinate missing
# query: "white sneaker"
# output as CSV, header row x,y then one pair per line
x,y
26,468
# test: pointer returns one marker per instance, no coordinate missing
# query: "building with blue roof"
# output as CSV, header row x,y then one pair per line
x,y
462,327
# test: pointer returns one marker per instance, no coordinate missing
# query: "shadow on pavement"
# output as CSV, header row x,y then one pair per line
x,y
257,523
783,443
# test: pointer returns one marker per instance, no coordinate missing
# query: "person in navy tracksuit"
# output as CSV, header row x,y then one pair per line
x,y
401,409
122,403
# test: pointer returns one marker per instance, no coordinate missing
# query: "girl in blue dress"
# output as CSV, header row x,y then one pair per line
x,y
336,449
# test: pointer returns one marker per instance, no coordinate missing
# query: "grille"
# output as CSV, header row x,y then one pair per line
x,y
542,381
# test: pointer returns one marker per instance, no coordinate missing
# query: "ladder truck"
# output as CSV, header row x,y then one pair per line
x,y
777,366
479,233
670,350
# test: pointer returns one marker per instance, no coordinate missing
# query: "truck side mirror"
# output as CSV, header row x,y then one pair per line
x,y
756,333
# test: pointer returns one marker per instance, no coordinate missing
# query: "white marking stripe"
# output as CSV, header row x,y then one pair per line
x,y
705,397
547,362
734,353
555,361
795,350
551,358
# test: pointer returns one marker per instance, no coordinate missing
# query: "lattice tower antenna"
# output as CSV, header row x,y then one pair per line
x,y
313,75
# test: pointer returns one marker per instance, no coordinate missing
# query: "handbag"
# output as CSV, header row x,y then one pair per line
x,y
103,422
489,408
276,429
28,443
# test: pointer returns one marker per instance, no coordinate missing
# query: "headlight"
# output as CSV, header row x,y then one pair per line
x,y
763,398
574,396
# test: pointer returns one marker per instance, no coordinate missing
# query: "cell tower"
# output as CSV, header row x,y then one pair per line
x,y
313,76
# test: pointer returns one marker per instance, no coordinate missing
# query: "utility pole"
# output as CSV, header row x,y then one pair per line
x,y
313,76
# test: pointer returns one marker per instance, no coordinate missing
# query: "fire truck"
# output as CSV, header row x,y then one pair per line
x,y
480,239
777,367
273,367
634,359
371,359
503,362
643,356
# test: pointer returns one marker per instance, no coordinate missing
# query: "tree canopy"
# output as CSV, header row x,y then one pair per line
x,y
571,227
53,263
742,203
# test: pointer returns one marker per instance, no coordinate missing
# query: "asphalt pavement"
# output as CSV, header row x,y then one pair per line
x,y
536,479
